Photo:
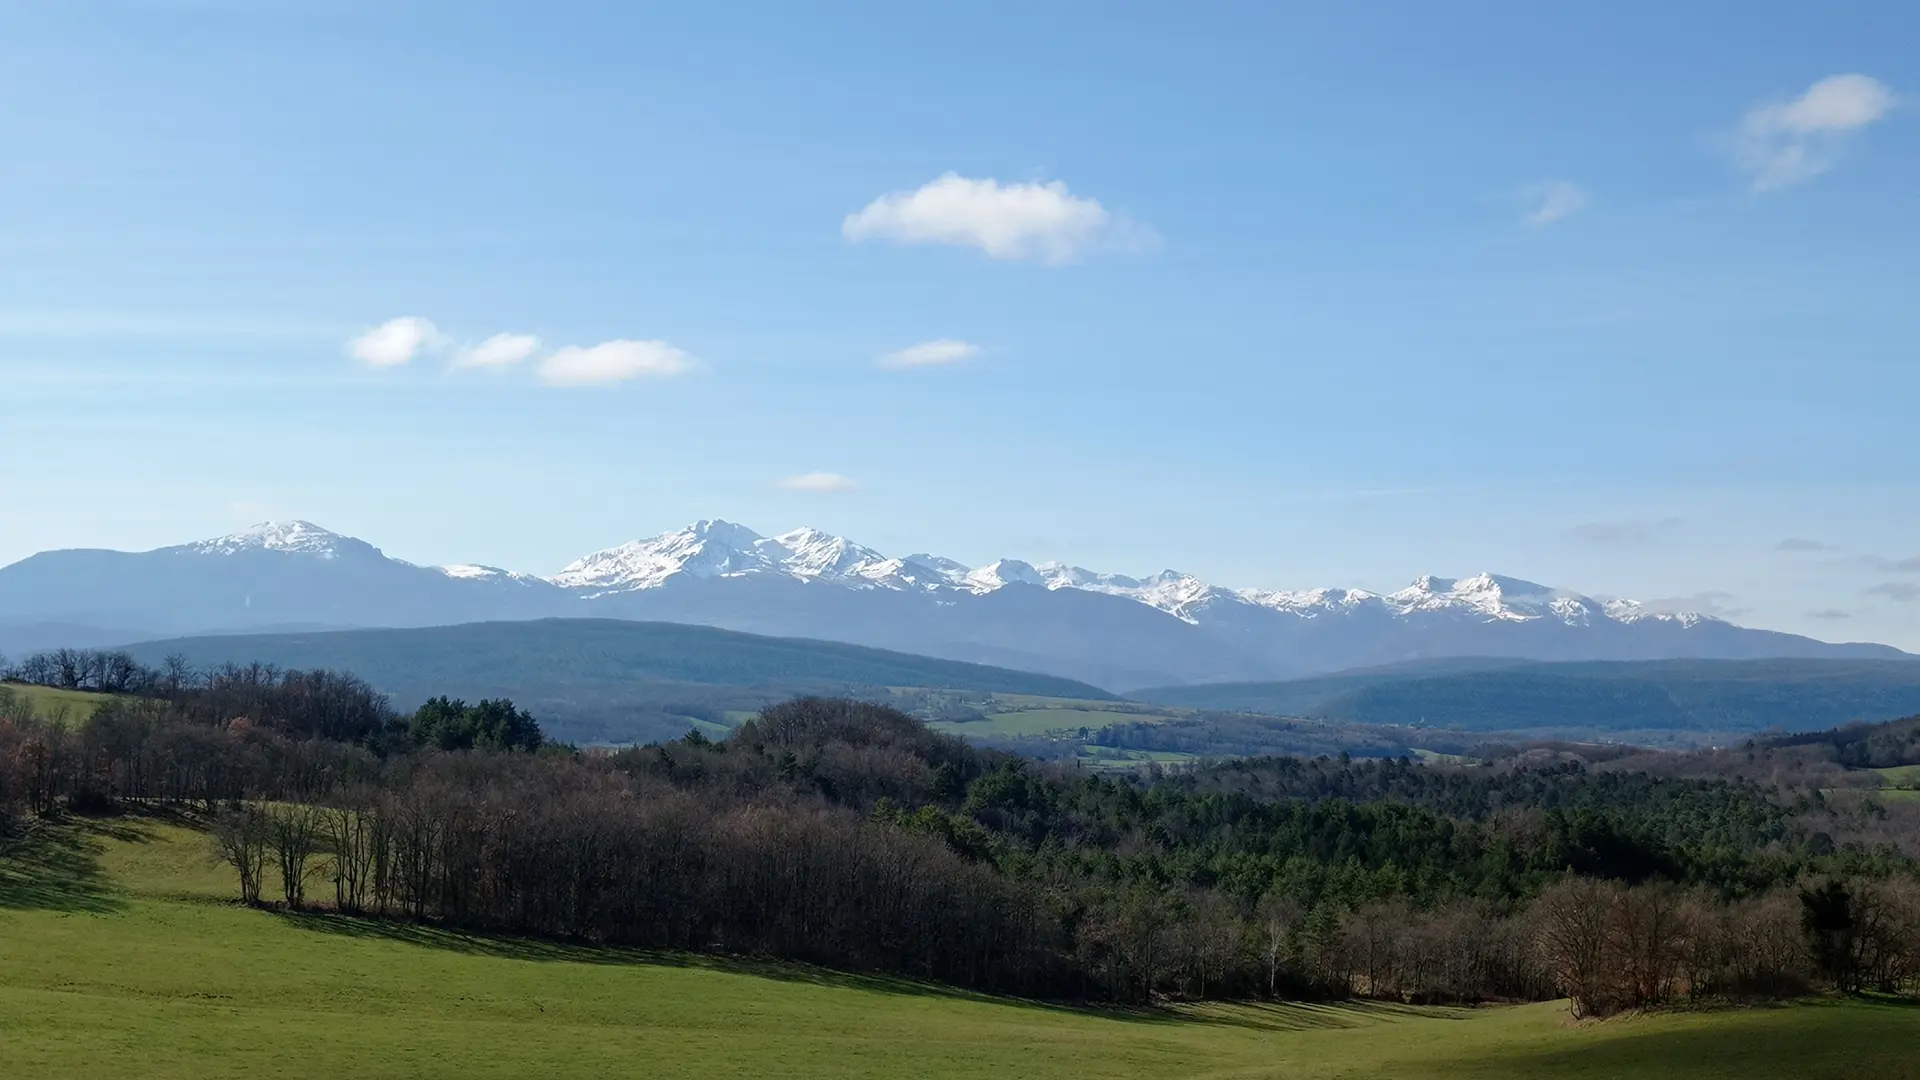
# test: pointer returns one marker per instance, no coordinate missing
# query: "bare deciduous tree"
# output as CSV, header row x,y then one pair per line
x,y
241,839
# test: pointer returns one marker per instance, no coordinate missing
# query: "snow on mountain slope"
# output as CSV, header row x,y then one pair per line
x,y
1177,594
722,549
493,574
1310,603
701,550
809,553
716,548
298,537
1005,572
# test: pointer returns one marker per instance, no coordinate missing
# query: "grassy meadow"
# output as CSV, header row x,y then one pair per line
x,y
121,956
50,703
1901,776
1017,715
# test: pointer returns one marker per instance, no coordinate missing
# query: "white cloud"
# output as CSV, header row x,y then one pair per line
x,y
1554,201
1785,143
819,481
395,342
498,351
613,361
930,354
1007,221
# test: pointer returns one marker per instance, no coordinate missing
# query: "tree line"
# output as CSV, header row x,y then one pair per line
x,y
851,835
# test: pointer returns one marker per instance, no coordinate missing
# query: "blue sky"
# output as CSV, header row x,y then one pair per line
x,y
1617,300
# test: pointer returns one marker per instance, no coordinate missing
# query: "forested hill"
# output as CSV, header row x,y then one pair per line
x,y
1707,696
585,677
851,835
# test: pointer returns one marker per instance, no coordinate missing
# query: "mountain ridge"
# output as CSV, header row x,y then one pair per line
x,y
1110,630
1734,697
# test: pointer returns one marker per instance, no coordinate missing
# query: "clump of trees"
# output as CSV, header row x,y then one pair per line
x,y
213,738
308,704
98,670
1609,947
1862,746
452,724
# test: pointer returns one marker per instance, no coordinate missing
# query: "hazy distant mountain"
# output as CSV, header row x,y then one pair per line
x,y
1106,629
1687,698
275,575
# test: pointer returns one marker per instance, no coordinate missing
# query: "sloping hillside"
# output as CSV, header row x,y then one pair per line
x,y
607,679
1701,696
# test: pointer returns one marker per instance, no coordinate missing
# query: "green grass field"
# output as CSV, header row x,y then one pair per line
x,y
74,706
1114,758
1901,776
1042,721
1019,715
119,957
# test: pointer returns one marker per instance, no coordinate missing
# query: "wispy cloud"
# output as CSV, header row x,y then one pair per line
x,y
1042,221
394,343
1783,143
930,354
1553,201
1720,605
1796,544
497,352
612,362
819,481
1830,614
1904,592
1626,533
1909,565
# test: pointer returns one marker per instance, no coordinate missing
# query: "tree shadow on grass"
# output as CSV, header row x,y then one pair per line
x,y
1823,1039
1262,1016
472,943
55,866
1309,1015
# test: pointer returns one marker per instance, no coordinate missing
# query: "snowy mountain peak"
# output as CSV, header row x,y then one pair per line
x,y
1005,572
1493,597
707,548
297,537
722,549
717,548
809,553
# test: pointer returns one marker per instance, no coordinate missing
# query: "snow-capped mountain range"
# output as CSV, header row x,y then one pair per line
x,y
1109,629
709,549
